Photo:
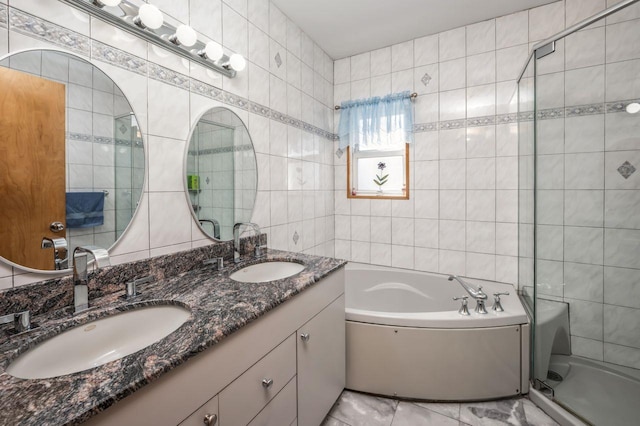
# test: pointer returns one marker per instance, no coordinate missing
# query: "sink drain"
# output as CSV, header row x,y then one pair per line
x,y
552,375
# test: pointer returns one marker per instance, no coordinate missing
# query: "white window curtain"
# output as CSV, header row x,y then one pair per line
x,y
376,123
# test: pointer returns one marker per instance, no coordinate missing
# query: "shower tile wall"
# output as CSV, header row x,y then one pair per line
x,y
589,187
290,125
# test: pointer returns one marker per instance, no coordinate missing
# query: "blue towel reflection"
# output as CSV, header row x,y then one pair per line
x,y
85,209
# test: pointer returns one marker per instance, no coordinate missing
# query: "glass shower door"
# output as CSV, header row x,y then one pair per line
x,y
579,209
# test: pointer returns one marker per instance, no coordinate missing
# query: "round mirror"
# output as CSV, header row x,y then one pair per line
x,y
71,159
221,173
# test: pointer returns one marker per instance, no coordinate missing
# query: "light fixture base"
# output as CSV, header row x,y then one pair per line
x,y
129,23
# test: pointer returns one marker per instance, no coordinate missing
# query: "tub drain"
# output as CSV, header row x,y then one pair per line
x,y
552,375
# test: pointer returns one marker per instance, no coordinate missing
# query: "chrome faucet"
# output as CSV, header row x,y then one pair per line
x,y
479,295
57,244
80,276
236,240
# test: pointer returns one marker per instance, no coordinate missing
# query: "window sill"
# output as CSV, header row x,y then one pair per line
x,y
375,196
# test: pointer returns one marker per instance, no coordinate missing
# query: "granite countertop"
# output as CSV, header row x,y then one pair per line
x,y
219,306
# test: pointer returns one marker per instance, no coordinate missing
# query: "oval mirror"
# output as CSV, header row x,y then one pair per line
x,y
221,173
71,159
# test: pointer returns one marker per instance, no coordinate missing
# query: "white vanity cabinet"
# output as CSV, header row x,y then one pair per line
x,y
321,363
263,374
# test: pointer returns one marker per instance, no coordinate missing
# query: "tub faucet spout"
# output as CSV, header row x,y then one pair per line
x,y
479,295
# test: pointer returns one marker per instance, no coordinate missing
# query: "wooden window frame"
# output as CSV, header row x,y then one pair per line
x,y
404,196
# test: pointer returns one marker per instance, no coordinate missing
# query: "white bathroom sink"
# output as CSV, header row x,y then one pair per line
x,y
98,342
266,271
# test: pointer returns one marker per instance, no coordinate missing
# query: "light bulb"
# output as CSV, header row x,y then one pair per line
x,y
633,108
185,35
149,16
237,62
212,51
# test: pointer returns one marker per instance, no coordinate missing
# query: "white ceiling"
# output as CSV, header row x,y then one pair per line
x,y
348,27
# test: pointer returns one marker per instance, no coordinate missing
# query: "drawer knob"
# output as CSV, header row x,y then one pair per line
x,y
266,383
210,419
305,337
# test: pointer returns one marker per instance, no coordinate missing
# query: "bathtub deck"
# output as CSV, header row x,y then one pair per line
x,y
355,409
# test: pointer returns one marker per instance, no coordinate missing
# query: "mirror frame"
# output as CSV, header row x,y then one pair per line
x,y
62,272
194,214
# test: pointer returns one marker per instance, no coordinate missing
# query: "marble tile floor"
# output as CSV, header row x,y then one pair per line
x,y
357,409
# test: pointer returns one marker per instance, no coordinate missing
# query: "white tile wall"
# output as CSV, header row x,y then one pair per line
x,y
300,87
464,199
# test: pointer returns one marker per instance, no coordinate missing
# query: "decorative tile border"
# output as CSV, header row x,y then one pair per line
x,y
205,89
525,116
425,127
35,27
506,118
166,75
4,21
105,140
235,100
119,58
259,109
453,124
547,114
481,121
222,150
580,110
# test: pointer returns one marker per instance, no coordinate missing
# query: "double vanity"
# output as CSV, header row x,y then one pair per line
x,y
174,339
260,342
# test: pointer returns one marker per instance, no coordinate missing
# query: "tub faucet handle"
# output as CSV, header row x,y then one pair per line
x,y
464,309
497,305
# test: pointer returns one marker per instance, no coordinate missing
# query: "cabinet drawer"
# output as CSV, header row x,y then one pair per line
x,y
198,418
247,395
281,410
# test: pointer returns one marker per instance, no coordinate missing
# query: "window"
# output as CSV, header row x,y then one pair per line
x,y
374,173
376,134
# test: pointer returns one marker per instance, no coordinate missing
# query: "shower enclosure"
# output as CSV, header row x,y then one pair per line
x,y
579,215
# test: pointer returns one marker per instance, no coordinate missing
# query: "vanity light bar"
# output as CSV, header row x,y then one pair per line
x,y
127,16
